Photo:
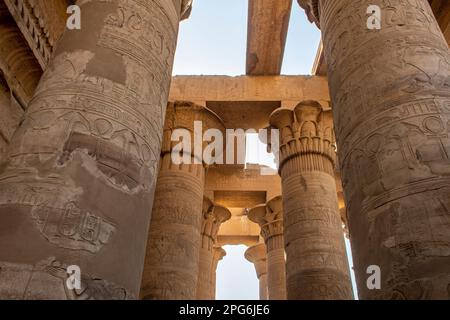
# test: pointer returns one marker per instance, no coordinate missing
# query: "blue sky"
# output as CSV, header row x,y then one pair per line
x,y
213,41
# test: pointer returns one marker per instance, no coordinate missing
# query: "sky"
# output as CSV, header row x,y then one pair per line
x,y
213,41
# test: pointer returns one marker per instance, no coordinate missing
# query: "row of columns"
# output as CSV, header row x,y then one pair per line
x,y
316,259
79,179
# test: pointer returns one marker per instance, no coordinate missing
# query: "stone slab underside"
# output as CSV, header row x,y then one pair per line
x,y
268,22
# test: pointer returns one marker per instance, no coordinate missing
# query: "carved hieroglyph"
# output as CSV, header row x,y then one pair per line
x,y
316,260
257,255
213,217
172,261
391,100
80,176
269,216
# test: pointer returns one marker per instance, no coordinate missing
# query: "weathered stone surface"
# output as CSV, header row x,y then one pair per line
x,y
218,254
268,22
81,169
213,217
316,260
269,217
173,249
257,255
390,91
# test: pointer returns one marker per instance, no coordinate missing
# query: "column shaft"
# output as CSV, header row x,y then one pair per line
x,y
177,230
269,216
10,115
391,97
218,255
172,261
263,287
213,217
316,260
276,268
257,255
81,172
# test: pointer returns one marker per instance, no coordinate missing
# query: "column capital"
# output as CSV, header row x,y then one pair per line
x,y
257,255
306,130
213,216
218,254
269,216
183,115
312,10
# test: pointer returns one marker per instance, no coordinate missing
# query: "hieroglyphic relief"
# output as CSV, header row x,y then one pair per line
x,y
23,281
390,92
316,260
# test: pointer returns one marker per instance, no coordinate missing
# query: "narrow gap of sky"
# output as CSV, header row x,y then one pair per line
x,y
213,40
236,277
301,45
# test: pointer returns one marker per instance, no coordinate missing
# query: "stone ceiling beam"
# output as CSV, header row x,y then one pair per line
x,y
268,22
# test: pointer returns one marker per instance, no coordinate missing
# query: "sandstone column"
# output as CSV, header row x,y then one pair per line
x,y
257,255
270,218
316,260
10,115
79,183
213,217
391,105
218,254
172,260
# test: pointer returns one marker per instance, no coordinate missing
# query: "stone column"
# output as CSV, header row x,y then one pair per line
x,y
270,218
10,115
213,217
316,260
391,105
257,255
172,260
18,64
218,254
79,183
